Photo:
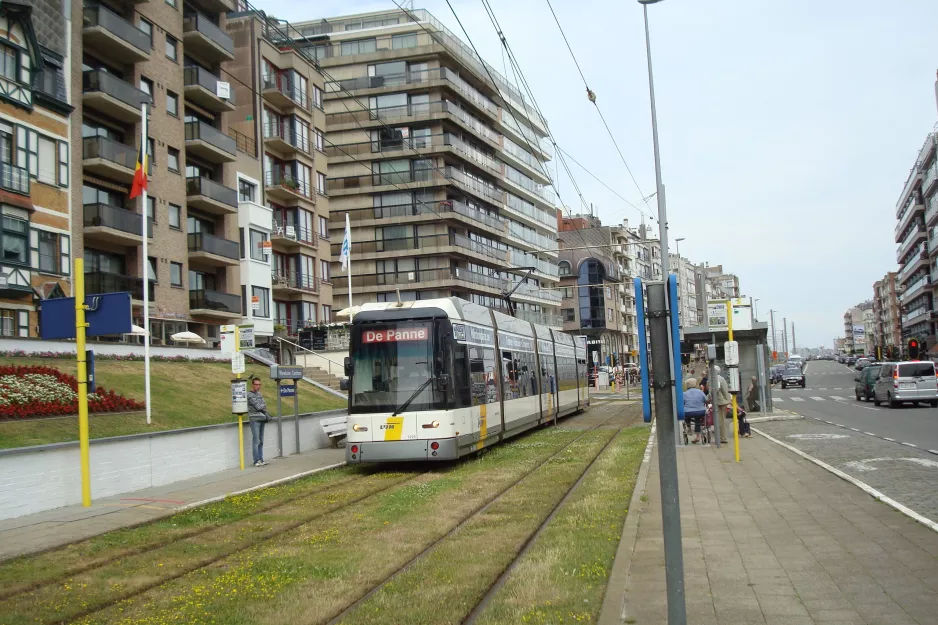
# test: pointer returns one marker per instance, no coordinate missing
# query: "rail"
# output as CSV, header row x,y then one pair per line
x,y
339,366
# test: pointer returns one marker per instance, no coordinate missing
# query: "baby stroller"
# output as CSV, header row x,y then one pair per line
x,y
706,428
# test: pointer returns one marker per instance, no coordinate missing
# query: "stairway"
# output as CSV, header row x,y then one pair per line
x,y
323,377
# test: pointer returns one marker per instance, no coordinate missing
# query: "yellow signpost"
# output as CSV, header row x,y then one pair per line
x,y
729,316
82,375
237,348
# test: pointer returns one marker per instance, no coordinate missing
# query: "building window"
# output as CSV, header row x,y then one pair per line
x,y
324,271
146,85
247,191
172,104
172,159
320,140
49,252
563,268
175,216
569,314
171,3
151,208
399,42
257,245
326,314
14,233
317,96
320,183
171,48
175,274
151,269
14,322
263,301
323,227
47,153
9,59
151,151
147,27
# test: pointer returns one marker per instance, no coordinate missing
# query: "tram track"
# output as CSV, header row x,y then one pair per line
x,y
11,593
227,553
474,514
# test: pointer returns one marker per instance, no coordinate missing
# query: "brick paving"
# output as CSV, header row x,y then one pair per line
x,y
775,539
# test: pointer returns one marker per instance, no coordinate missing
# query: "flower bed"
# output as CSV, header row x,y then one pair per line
x,y
18,353
27,392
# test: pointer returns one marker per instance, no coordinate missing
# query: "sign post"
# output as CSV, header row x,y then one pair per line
x,y
284,372
734,377
279,419
82,375
242,386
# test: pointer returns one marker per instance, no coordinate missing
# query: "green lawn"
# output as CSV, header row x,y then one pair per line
x,y
183,394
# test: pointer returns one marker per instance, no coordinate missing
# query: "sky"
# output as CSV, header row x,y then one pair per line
x,y
787,129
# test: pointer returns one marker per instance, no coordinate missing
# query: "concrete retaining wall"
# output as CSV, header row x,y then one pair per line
x,y
113,349
33,479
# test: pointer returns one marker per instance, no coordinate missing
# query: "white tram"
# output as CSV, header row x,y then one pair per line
x,y
439,379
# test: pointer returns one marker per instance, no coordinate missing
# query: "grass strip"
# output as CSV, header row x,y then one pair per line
x,y
562,578
25,572
125,576
312,573
444,586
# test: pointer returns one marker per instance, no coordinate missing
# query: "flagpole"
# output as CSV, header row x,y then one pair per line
x,y
348,235
146,265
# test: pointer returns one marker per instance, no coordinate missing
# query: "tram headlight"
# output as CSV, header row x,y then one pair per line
x,y
431,425
359,428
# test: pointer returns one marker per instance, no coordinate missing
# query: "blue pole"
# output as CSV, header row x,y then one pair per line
x,y
676,346
643,350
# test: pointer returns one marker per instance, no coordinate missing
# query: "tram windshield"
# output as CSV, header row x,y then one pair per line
x,y
391,362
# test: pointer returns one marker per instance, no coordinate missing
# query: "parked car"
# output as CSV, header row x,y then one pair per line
x,y
862,363
864,382
794,376
907,381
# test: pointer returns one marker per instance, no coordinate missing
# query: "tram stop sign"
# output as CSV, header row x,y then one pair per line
x,y
284,372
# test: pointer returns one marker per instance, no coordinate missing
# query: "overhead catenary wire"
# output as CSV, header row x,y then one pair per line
x,y
591,95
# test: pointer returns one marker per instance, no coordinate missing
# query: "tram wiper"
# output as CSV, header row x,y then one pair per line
x,y
403,406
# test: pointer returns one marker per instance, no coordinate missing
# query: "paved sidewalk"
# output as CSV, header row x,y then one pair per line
x,y
52,528
774,539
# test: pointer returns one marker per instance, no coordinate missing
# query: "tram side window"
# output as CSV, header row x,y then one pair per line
x,y
518,379
461,381
482,375
548,373
567,370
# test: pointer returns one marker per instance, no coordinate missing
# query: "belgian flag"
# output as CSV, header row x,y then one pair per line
x,y
139,184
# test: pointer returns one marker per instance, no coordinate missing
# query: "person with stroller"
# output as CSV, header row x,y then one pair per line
x,y
695,406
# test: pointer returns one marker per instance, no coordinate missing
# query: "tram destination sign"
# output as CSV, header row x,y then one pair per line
x,y
395,336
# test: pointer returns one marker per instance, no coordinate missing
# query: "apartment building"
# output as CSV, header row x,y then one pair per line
x,y
285,229
855,325
172,56
686,273
35,229
439,164
727,284
887,332
917,246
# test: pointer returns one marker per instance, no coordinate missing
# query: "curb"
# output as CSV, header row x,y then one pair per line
x,y
934,452
612,611
788,417
250,489
875,494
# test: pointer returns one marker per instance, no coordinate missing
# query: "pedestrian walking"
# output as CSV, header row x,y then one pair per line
x,y
720,396
258,416
704,383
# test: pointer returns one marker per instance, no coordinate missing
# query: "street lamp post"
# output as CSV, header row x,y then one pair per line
x,y
666,394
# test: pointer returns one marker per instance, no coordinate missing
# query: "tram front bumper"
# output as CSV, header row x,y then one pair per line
x,y
401,451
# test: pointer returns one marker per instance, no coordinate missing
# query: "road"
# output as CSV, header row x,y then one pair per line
x,y
830,397
894,451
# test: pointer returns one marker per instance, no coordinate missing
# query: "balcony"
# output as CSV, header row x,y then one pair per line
x,y
918,259
933,247
14,179
211,197
209,143
279,91
435,209
431,244
287,236
294,282
914,316
282,185
425,279
915,177
112,96
536,293
97,282
915,289
929,176
110,35
203,303
211,251
108,158
915,236
350,185
286,141
201,88
114,225
471,184
200,35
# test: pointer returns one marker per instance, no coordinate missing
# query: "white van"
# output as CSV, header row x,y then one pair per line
x,y
910,381
797,361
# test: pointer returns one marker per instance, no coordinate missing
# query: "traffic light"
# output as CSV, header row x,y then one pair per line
x,y
913,349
